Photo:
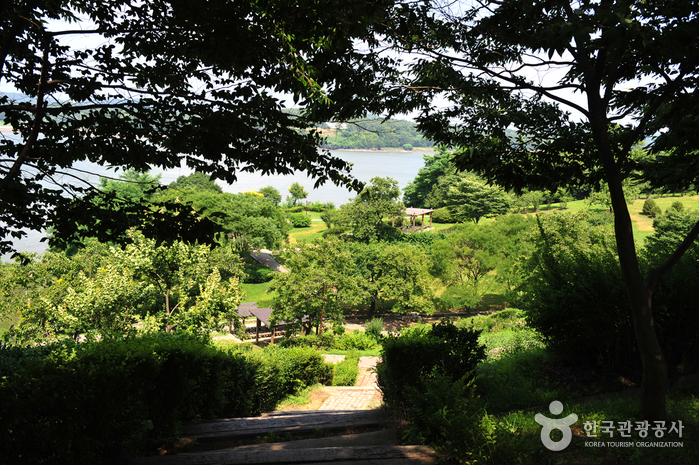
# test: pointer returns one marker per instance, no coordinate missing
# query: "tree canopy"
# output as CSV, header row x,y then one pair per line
x,y
165,83
582,83
366,214
436,166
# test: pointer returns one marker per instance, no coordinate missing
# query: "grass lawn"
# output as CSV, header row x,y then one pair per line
x,y
257,293
307,234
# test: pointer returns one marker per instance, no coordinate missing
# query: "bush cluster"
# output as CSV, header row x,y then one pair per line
x,y
300,220
427,373
422,352
442,215
357,340
70,403
320,207
574,294
650,208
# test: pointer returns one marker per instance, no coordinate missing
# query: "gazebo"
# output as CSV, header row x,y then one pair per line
x,y
262,316
415,212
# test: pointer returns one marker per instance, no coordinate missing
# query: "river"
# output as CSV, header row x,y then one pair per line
x,y
401,166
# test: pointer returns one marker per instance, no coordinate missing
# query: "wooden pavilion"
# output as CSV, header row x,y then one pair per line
x,y
413,213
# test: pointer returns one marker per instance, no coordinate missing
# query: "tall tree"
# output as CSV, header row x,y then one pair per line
x,y
582,83
366,215
436,166
468,197
156,84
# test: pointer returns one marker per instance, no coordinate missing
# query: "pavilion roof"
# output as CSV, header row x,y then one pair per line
x,y
417,211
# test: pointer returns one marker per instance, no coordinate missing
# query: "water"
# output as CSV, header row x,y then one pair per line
x,y
401,166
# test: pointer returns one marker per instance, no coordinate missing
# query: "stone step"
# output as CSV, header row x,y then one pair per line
x,y
356,455
291,422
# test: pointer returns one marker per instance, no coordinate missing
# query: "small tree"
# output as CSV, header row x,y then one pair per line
x,y
272,194
468,197
319,283
298,192
364,216
650,208
396,273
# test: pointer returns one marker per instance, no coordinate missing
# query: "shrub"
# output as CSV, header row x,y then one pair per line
x,y
422,353
320,207
357,340
574,295
296,209
281,372
346,371
69,403
300,220
677,207
676,295
373,328
442,215
650,208
407,147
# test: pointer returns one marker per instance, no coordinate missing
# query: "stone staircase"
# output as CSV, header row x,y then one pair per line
x,y
377,447
345,409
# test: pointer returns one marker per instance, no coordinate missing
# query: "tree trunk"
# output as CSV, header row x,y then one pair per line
x,y
654,384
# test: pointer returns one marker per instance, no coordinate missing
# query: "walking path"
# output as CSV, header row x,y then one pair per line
x,y
365,395
265,257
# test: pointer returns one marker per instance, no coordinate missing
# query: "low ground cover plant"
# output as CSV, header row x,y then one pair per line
x,y
346,371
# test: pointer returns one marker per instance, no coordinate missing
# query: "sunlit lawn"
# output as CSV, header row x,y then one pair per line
x,y
307,234
256,293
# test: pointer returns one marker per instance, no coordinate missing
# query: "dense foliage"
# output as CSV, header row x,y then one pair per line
x,y
367,216
108,292
160,84
634,65
573,292
422,354
66,403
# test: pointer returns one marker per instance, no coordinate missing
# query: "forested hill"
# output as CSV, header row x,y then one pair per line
x,y
373,133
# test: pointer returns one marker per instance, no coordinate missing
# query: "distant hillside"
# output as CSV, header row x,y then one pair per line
x,y
371,133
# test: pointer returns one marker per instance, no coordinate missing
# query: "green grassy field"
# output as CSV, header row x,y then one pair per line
x,y
256,292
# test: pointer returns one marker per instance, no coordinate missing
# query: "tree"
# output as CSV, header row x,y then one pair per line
x,y
319,283
162,83
396,273
626,70
196,181
364,216
436,166
184,284
297,192
247,220
272,194
468,197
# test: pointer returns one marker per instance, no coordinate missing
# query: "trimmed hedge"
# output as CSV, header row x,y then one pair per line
x,y
83,403
358,340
